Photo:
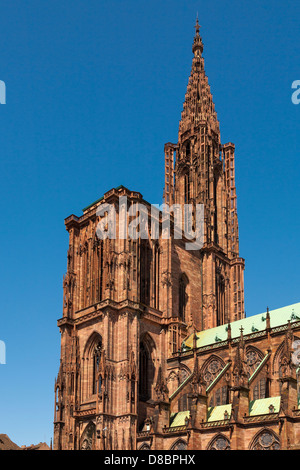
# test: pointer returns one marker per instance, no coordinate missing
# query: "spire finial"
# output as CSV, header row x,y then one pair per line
x,y
197,26
198,45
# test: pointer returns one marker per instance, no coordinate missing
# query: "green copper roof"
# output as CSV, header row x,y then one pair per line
x,y
250,325
256,407
178,419
216,413
261,407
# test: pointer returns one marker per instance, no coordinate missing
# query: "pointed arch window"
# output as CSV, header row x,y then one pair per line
x,y
220,443
266,440
179,445
88,437
253,358
144,447
212,369
260,387
146,371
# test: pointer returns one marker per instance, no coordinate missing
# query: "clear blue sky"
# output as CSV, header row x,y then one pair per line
x,y
94,90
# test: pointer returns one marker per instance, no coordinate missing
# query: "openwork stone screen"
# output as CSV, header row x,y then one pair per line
x,y
253,361
212,370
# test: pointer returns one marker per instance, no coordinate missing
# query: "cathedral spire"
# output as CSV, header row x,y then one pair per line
x,y
198,106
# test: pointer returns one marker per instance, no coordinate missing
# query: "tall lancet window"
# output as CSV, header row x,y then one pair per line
x,y
183,282
220,291
100,384
132,391
188,150
156,268
186,188
145,263
96,366
143,380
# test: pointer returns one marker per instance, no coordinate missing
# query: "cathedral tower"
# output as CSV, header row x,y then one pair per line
x,y
204,173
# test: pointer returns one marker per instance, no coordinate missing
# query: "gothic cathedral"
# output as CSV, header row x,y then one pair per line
x,y
156,352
